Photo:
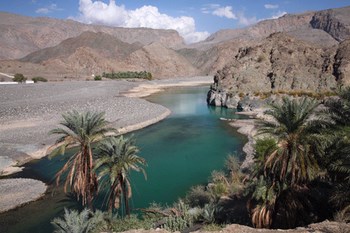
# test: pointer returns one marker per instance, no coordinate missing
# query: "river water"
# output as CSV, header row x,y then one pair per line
x,y
181,151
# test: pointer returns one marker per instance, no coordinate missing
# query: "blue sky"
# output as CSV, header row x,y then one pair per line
x,y
194,19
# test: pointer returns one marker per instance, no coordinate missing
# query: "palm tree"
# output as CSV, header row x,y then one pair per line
x,y
80,130
75,222
291,162
339,148
117,156
339,108
337,159
296,129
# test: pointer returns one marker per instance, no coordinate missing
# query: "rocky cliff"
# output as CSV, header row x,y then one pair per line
x,y
281,63
335,22
312,57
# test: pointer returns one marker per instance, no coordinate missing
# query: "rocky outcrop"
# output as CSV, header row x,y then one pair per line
x,y
342,63
280,63
335,22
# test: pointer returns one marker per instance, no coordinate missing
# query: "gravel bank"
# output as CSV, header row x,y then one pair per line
x,y
16,192
29,112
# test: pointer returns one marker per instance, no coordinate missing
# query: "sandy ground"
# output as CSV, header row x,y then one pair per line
x,y
28,112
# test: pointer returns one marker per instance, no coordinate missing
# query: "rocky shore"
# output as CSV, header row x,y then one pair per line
x,y
321,227
248,128
29,112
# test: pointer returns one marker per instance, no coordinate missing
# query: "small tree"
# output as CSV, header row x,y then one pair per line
x,y
39,79
97,78
19,78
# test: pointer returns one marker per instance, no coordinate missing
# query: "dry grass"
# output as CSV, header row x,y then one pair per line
x,y
295,93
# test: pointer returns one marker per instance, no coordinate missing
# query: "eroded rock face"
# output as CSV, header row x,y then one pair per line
x,y
282,63
335,22
342,63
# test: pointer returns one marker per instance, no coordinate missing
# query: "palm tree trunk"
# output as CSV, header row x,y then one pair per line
x,y
126,200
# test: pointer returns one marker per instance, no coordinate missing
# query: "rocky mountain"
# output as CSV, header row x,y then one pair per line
x,y
281,63
289,49
312,57
335,22
94,53
21,35
160,61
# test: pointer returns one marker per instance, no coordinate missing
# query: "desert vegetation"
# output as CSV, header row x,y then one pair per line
x,y
19,78
128,75
39,79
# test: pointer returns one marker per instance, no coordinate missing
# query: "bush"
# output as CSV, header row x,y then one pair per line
x,y
182,220
75,221
263,146
39,79
128,74
97,78
198,196
19,78
130,223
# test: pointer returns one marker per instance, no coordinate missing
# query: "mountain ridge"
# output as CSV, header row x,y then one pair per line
x,y
119,49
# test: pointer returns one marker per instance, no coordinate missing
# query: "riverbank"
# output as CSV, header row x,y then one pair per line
x,y
16,192
248,128
28,113
152,87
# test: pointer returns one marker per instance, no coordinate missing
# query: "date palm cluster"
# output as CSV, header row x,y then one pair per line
x,y
101,159
303,142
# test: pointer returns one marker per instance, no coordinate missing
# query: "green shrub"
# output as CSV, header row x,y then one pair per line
x,y
263,146
131,223
19,78
198,196
97,78
209,212
182,220
39,79
128,74
78,222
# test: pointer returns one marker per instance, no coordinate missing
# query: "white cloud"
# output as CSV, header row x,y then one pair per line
x,y
224,12
48,9
43,11
271,6
147,16
278,14
227,12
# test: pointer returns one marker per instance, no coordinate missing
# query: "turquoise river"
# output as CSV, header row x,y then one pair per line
x,y
181,151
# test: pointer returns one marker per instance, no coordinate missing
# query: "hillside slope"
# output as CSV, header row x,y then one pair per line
x,y
21,35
